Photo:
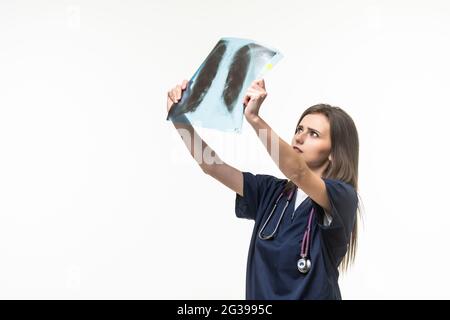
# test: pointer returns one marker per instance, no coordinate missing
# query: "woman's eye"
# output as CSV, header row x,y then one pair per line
x,y
312,132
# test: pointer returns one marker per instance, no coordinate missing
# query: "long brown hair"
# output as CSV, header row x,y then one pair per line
x,y
344,164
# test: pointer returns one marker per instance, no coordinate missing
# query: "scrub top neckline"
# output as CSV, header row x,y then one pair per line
x,y
299,208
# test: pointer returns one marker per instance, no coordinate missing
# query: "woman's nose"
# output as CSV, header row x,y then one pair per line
x,y
299,138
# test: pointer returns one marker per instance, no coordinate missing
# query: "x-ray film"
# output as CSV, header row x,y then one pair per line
x,y
213,97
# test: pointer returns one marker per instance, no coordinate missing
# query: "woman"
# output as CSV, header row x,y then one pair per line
x,y
305,226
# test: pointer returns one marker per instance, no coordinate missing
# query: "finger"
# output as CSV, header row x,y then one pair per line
x,y
258,85
258,82
184,84
261,83
178,92
257,90
173,95
246,100
254,92
251,95
169,94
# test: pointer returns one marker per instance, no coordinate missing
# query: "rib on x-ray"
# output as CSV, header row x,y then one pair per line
x,y
213,96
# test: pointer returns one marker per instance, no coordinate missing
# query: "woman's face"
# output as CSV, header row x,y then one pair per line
x,y
313,141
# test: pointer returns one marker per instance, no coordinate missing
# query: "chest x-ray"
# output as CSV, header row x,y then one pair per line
x,y
213,97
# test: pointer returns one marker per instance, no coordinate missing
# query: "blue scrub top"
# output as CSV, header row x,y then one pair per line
x,y
272,264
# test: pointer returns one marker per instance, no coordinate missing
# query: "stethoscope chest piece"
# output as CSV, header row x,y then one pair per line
x,y
303,265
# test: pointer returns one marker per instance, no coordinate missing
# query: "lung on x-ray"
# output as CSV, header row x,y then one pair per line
x,y
213,97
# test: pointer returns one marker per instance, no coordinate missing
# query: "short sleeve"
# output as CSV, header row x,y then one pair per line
x,y
344,202
255,187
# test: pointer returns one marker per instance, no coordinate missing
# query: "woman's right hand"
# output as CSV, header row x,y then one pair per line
x,y
174,95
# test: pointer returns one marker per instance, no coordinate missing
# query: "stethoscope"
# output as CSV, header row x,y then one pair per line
x,y
304,263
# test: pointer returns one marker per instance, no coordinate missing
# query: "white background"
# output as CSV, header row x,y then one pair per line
x,y
99,197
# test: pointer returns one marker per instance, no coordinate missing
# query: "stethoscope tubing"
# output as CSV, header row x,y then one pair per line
x,y
303,264
272,235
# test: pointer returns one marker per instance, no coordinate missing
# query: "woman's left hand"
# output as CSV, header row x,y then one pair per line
x,y
253,99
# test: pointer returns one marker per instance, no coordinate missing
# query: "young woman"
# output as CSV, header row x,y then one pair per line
x,y
305,225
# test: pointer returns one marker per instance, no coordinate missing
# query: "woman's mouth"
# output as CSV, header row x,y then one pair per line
x,y
297,149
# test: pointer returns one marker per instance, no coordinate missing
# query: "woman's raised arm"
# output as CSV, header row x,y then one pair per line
x,y
206,157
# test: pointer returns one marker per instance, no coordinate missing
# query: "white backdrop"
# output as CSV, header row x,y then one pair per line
x,y
99,197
